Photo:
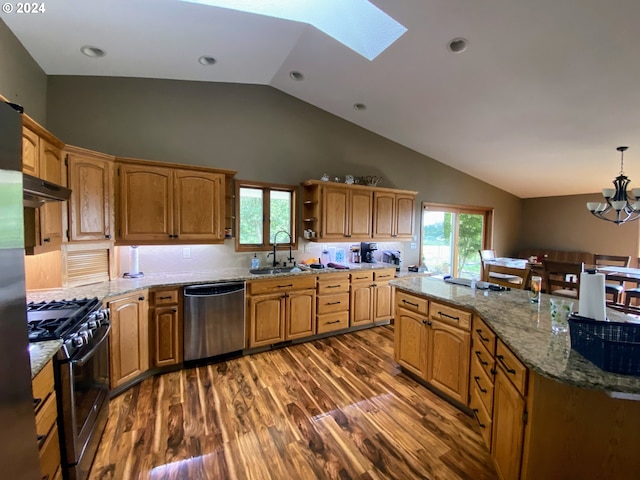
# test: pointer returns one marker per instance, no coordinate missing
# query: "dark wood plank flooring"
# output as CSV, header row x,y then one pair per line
x,y
333,408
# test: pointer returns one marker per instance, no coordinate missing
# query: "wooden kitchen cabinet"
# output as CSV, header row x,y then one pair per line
x,y
371,296
280,309
383,305
91,210
332,312
167,204
346,213
165,327
46,413
394,215
30,152
129,338
410,335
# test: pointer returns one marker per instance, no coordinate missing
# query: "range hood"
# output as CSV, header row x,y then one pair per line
x,y
38,191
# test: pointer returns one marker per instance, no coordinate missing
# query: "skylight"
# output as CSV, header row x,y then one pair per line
x,y
358,24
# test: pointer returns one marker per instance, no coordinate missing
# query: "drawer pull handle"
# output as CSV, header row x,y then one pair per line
x,y
361,278
479,330
442,314
482,362
410,303
45,477
285,286
334,321
477,379
333,286
384,276
506,367
40,439
165,298
36,403
334,303
475,413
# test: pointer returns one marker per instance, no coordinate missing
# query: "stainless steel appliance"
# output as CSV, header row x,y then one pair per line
x,y
81,369
366,251
18,445
213,319
393,257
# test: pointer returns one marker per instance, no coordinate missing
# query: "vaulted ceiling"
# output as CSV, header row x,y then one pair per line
x,y
536,104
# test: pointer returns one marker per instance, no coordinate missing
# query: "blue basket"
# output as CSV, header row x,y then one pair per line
x,y
612,346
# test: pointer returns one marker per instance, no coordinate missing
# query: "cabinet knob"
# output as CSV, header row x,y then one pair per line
x,y
424,322
46,240
175,310
108,237
140,298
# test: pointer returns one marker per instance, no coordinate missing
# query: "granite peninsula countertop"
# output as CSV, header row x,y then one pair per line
x,y
526,329
41,353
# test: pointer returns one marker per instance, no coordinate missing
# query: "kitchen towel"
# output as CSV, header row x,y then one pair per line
x,y
592,296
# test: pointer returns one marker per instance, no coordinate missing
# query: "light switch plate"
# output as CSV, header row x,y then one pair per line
x,y
186,252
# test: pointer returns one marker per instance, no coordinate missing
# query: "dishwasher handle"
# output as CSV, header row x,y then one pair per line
x,y
214,289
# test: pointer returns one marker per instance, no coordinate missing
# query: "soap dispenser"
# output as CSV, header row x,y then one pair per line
x,y
255,262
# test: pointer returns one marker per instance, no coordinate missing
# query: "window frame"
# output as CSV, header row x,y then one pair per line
x,y
266,220
487,212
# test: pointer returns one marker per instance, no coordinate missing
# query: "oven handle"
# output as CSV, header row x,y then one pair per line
x,y
81,361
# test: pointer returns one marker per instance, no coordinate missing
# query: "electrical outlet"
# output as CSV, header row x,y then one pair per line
x,y
186,252
414,245
307,247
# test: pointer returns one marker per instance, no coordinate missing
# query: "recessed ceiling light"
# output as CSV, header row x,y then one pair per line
x,y
297,76
457,45
94,52
206,60
359,106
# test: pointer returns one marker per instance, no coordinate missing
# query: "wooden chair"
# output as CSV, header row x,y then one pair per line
x,y
612,287
629,294
484,256
509,276
562,278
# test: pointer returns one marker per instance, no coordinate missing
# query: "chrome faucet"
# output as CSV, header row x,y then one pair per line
x,y
275,245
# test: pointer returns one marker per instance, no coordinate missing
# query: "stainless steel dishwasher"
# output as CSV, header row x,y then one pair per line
x,y
213,319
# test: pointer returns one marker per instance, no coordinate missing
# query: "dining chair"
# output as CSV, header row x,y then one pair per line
x,y
562,278
509,276
614,288
484,256
631,293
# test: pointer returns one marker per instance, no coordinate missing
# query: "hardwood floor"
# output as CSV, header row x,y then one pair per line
x,y
332,408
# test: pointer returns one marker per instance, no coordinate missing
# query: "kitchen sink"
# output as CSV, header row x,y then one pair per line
x,y
270,270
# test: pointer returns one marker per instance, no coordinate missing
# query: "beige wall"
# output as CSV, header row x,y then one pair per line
x,y
22,81
564,223
261,132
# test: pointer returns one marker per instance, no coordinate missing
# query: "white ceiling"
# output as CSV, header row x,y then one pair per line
x,y
536,105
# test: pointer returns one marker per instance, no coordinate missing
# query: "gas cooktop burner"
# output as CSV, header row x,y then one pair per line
x,y
57,319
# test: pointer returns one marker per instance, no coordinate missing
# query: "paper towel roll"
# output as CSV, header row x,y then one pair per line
x,y
592,296
134,261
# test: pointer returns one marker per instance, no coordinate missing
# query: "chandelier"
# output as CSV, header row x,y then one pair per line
x,y
618,209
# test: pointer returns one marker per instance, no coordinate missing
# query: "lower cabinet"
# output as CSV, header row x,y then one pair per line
x,y
46,412
332,312
371,296
129,339
165,327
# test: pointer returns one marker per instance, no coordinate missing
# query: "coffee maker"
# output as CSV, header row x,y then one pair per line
x,y
366,251
392,257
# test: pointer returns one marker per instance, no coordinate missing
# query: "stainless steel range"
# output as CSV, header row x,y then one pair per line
x,y
81,374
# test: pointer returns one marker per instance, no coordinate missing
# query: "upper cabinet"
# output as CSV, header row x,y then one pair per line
x,y
340,212
166,204
91,204
42,158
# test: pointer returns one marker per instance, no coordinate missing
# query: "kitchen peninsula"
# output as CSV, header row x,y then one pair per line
x,y
545,411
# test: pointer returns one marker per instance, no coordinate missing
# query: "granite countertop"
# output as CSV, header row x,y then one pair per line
x,y
41,353
526,329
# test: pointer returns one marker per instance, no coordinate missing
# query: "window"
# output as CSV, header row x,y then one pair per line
x,y
451,238
262,211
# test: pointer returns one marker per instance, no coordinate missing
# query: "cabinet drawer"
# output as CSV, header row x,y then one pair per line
x,y
333,321
482,383
362,277
46,415
484,335
50,454
515,370
333,283
411,302
166,297
450,315
384,275
485,361
333,303
483,418
280,284
42,384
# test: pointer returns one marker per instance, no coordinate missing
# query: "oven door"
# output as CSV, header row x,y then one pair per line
x,y
84,384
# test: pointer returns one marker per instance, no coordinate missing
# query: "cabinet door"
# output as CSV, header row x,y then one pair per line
x,y
266,319
361,304
360,216
508,428
301,314
411,341
146,199
335,210
382,302
30,152
404,216
91,205
166,336
448,360
199,205
129,339
383,220
51,212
